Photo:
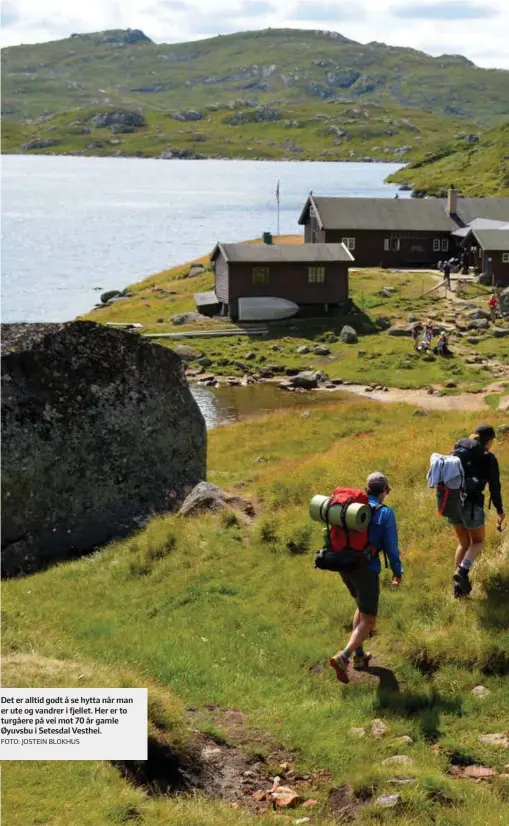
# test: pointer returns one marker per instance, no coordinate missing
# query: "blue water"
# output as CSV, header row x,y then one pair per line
x,y
75,227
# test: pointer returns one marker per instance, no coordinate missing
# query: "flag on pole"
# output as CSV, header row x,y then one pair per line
x,y
277,192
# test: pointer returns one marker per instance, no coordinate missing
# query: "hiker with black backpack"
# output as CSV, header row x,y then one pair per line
x,y
460,480
364,528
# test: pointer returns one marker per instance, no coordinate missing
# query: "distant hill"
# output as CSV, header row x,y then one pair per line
x,y
481,168
273,93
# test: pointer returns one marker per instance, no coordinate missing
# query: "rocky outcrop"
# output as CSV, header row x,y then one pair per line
x,y
38,144
99,431
118,117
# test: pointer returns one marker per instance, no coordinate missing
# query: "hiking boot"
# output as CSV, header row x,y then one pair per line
x,y
360,661
462,582
340,665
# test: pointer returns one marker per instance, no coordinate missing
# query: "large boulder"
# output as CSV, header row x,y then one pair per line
x,y
348,335
307,380
478,312
99,431
478,324
401,330
121,117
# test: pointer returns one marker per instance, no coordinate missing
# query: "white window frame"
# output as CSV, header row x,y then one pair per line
x,y
436,244
392,244
316,275
505,257
445,245
349,243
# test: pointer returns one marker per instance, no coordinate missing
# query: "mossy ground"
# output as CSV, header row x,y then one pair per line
x,y
378,357
209,612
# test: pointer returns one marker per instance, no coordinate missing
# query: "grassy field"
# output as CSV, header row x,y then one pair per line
x,y
214,614
477,170
377,358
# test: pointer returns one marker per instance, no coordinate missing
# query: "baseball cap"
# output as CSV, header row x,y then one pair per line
x,y
377,482
486,433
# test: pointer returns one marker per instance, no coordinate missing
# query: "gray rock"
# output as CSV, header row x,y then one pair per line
x,y
357,732
478,313
38,144
187,353
204,361
196,270
478,324
240,366
308,380
401,330
250,356
303,350
500,332
480,691
504,301
383,323
348,335
379,729
398,760
186,318
321,350
404,740
118,116
100,430
203,497
471,138
388,801
105,297
495,740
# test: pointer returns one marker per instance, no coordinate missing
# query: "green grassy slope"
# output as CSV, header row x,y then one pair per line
x,y
224,616
480,169
378,357
391,103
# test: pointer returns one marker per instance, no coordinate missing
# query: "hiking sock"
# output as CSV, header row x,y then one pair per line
x,y
465,564
359,652
346,653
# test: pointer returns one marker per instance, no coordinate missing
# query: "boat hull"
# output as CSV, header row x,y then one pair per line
x,y
266,308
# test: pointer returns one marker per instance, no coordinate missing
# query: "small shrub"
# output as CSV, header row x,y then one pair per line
x,y
139,567
229,519
300,540
267,532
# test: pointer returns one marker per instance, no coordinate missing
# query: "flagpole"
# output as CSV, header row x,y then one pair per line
x,y
277,199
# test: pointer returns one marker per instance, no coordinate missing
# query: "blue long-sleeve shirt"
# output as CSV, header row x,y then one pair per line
x,y
383,535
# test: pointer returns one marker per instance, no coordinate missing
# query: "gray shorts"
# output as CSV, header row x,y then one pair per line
x,y
469,514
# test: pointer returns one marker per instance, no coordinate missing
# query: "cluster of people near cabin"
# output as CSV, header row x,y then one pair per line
x,y
459,480
423,340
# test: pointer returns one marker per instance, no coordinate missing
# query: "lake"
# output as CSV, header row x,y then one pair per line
x,y
73,228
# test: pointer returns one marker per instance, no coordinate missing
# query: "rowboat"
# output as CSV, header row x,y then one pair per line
x,y
266,308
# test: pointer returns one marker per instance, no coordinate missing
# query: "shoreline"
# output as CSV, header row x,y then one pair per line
x,y
36,153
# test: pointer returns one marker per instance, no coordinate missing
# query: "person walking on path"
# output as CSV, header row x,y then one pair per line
x,y
469,521
416,329
364,583
494,305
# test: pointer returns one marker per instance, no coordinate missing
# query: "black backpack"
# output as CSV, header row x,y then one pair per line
x,y
471,454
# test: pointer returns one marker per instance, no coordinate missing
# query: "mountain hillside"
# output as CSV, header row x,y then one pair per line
x,y
478,169
273,93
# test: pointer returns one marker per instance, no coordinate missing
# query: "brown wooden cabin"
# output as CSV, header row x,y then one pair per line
x,y
310,275
489,250
396,232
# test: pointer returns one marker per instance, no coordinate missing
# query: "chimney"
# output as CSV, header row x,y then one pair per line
x,y
452,201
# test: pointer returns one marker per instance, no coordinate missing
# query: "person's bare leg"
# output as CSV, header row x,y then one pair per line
x,y
360,632
477,537
356,619
464,544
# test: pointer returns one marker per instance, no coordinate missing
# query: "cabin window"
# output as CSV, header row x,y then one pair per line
x,y
349,243
391,244
505,257
436,244
316,275
445,244
261,276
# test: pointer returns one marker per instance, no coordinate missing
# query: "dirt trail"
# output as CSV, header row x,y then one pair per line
x,y
421,398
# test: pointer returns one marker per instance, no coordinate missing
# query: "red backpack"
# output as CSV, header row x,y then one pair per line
x,y
346,549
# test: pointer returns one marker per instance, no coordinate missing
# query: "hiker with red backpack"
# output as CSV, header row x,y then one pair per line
x,y
352,549
460,480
